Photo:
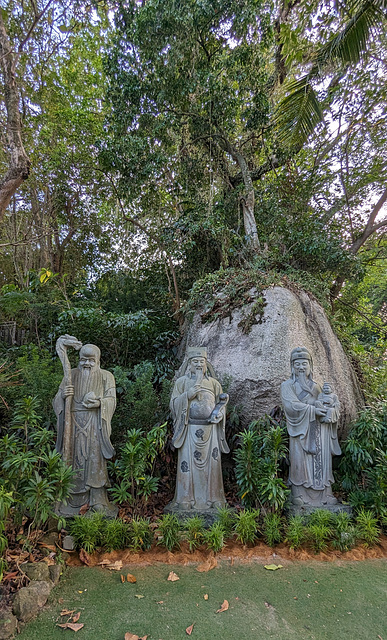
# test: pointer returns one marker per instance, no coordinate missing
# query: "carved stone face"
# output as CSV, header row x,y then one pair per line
x,y
198,364
301,367
88,358
327,389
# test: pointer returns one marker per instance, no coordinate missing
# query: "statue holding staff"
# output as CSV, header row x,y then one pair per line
x,y
84,406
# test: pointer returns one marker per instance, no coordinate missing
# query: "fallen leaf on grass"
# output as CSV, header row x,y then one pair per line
x,y
67,612
70,625
84,557
113,566
173,577
132,636
273,567
189,629
160,602
139,596
205,596
76,617
223,607
131,578
209,564
122,578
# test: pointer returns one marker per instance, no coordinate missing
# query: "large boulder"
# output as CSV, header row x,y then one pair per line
x,y
255,359
29,600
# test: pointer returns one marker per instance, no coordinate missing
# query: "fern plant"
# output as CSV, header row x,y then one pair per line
x,y
246,528
214,537
169,527
273,528
295,532
140,534
194,532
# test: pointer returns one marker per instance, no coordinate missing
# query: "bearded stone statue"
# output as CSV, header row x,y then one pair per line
x,y
198,407
84,406
311,417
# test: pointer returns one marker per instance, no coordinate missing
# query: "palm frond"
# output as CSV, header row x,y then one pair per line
x,y
299,113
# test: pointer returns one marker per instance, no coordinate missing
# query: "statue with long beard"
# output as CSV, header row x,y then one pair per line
x,y
91,399
313,434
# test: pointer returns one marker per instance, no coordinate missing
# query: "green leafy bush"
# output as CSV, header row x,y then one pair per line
x,y
194,534
226,517
214,537
140,534
295,532
367,528
273,528
88,531
257,464
246,528
319,529
169,527
345,534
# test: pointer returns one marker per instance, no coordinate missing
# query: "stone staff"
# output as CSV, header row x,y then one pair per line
x,y
62,344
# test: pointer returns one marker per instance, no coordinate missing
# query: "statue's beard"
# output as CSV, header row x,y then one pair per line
x,y
88,380
303,381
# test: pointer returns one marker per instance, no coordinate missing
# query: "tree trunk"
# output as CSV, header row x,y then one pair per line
x,y
18,161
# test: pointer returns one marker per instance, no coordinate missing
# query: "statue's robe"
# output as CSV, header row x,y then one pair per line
x,y
199,481
312,443
91,430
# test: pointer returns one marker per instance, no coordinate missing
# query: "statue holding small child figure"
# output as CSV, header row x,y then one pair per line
x,y
312,415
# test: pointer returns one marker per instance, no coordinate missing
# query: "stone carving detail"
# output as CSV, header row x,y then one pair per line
x,y
84,406
311,415
198,407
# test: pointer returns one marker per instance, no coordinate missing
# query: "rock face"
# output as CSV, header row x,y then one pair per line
x,y
256,363
29,600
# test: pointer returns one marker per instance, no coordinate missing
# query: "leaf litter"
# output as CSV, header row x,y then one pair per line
x,y
224,606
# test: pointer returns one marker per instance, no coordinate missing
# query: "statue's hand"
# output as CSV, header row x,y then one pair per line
x,y
320,412
68,391
90,401
191,393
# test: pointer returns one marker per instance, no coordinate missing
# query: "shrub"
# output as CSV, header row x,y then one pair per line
x,y
169,527
226,517
214,537
272,528
367,528
295,532
345,534
115,534
140,534
246,525
88,531
194,532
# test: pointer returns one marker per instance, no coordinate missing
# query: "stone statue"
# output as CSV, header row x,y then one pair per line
x,y
84,406
311,415
198,408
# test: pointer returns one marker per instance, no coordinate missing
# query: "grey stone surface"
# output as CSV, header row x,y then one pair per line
x,y
55,573
68,543
8,624
36,570
29,600
198,408
209,515
84,406
256,363
305,510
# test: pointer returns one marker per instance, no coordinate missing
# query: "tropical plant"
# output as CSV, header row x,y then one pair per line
x,y
226,517
115,534
169,527
88,531
246,528
214,537
295,532
140,534
194,532
273,524
345,534
367,528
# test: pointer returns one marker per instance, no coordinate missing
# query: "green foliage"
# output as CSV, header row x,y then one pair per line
x,y
257,464
88,531
363,467
31,470
319,529
115,534
246,528
169,527
194,532
226,517
6,502
140,534
345,534
134,469
214,537
273,528
367,527
295,532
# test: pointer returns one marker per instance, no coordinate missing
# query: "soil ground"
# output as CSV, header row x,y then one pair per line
x,y
304,600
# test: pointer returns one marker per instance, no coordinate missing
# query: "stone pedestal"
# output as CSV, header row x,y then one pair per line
x,y
306,510
209,515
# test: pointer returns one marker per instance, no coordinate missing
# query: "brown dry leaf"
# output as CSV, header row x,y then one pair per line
x,y
160,602
67,612
173,577
76,617
131,578
132,636
122,578
113,566
84,509
84,557
50,547
10,576
70,625
205,596
189,629
224,607
60,600
209,564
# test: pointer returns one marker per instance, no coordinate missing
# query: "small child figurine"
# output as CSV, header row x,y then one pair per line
x,y
329,401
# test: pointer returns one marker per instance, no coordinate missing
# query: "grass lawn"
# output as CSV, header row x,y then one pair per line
x,y
301,601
